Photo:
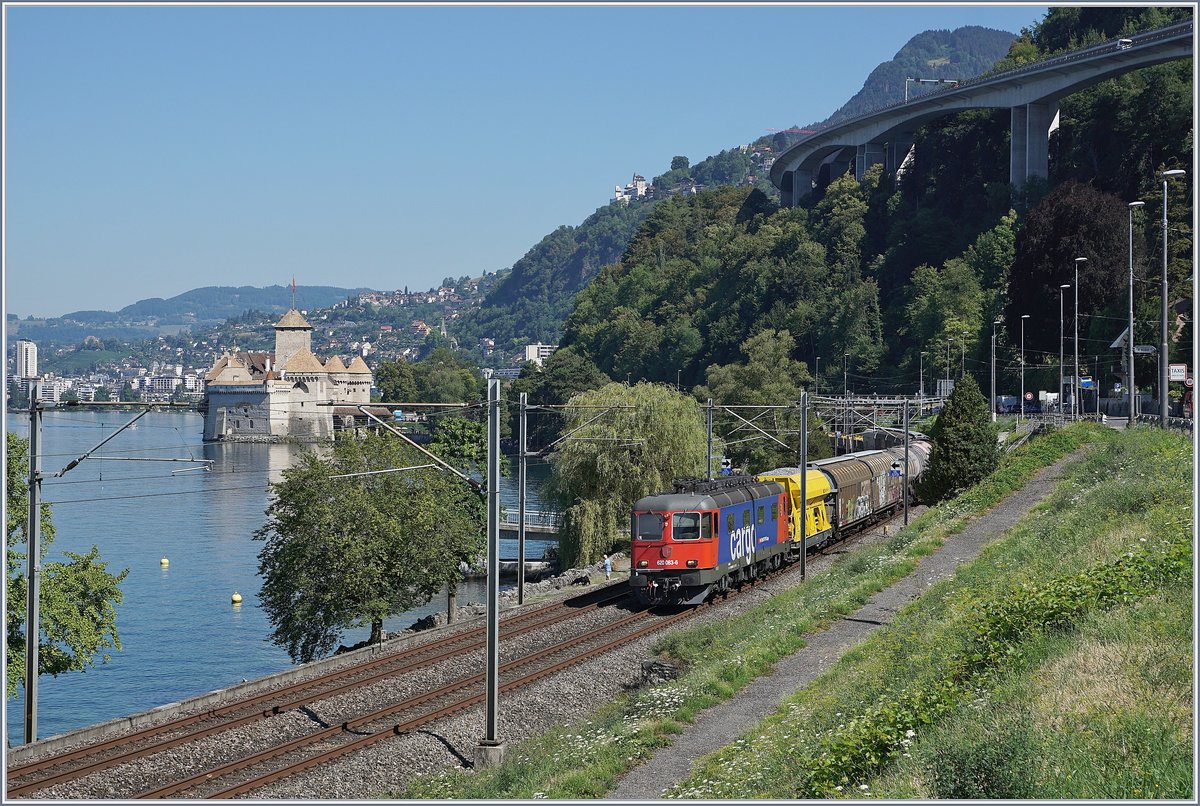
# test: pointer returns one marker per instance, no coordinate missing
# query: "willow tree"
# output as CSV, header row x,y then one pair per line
x,y
342,553
622,442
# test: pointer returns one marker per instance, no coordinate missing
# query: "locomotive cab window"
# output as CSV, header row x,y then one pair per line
x,y
685,526
707,522
649,526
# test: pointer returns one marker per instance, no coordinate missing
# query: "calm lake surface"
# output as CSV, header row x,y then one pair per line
x,y
180,635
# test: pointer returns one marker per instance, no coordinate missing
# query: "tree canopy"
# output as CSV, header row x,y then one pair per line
x,y
79,596
965,450
649,435
349,552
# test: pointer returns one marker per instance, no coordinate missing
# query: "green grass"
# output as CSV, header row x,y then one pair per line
x,y
1056,665
585,760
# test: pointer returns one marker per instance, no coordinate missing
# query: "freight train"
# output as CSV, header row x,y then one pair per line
x,y
707,536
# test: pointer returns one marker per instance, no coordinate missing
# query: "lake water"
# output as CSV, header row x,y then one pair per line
x,y
180,634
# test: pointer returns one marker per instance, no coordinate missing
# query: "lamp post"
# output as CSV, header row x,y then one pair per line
x,y
994,369
1061,335
817,378
921,376
1075,389
1162,347
962,370
1021,405
846,395
1129,351
948,340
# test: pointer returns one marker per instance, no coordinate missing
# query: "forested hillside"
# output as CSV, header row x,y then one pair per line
x,y
534,300
869,275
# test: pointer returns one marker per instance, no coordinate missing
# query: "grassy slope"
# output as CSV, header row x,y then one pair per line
x,y
893,682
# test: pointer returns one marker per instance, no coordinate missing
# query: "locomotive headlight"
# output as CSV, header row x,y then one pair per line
x,y
691,563
643,564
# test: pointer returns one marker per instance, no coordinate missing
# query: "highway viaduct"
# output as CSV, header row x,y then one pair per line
x,y
1030,92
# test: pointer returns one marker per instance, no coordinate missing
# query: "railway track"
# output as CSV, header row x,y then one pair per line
x,y
45,772
258,769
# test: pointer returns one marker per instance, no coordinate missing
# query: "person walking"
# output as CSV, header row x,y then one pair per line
x,y
607,567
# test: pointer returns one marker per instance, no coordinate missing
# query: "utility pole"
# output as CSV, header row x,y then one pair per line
x,y
490,750
710,415
33,532
906,461
804,484
521,470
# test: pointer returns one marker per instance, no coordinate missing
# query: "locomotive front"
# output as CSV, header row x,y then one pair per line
x,y
707,533
673,555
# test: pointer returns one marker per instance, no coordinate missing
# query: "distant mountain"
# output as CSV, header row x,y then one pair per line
x,y
217,303
959,54
200,307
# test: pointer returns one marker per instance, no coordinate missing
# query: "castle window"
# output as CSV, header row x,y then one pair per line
x,y
252,424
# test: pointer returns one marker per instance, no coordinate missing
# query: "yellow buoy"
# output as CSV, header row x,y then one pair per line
x,y
164,562
236,598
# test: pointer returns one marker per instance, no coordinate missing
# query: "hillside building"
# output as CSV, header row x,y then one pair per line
x,y
277,396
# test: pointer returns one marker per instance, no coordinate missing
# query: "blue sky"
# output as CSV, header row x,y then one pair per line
x,y
151,150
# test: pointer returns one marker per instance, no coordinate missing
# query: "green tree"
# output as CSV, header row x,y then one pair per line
x,y
770,377
18,398
348,552
79,597
649,436
128,394
101,395
679,163
442,377
965,450
564,375
395,382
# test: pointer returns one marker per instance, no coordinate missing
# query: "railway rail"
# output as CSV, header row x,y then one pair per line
x,y
24,779
254,770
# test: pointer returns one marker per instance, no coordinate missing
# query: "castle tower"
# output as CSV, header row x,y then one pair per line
x,y
292,334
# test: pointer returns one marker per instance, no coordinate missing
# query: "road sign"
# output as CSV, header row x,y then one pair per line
x,y
1117,386
1188,383
1029,395
1143,349
1085,382
1176,372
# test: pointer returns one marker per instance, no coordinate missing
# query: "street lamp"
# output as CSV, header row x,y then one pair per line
x,y
1162,347
817,378
1129,352
948,340
962,371
921,375
1021,405
1061,336
1075,389
994,369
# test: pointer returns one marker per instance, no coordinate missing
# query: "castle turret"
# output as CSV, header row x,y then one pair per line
x,y
292,335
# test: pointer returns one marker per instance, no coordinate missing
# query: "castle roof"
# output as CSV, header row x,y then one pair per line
x,y
334,364
303,361
358,366
293,319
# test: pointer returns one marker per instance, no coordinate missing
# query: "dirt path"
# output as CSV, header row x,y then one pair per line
x,y
722,724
